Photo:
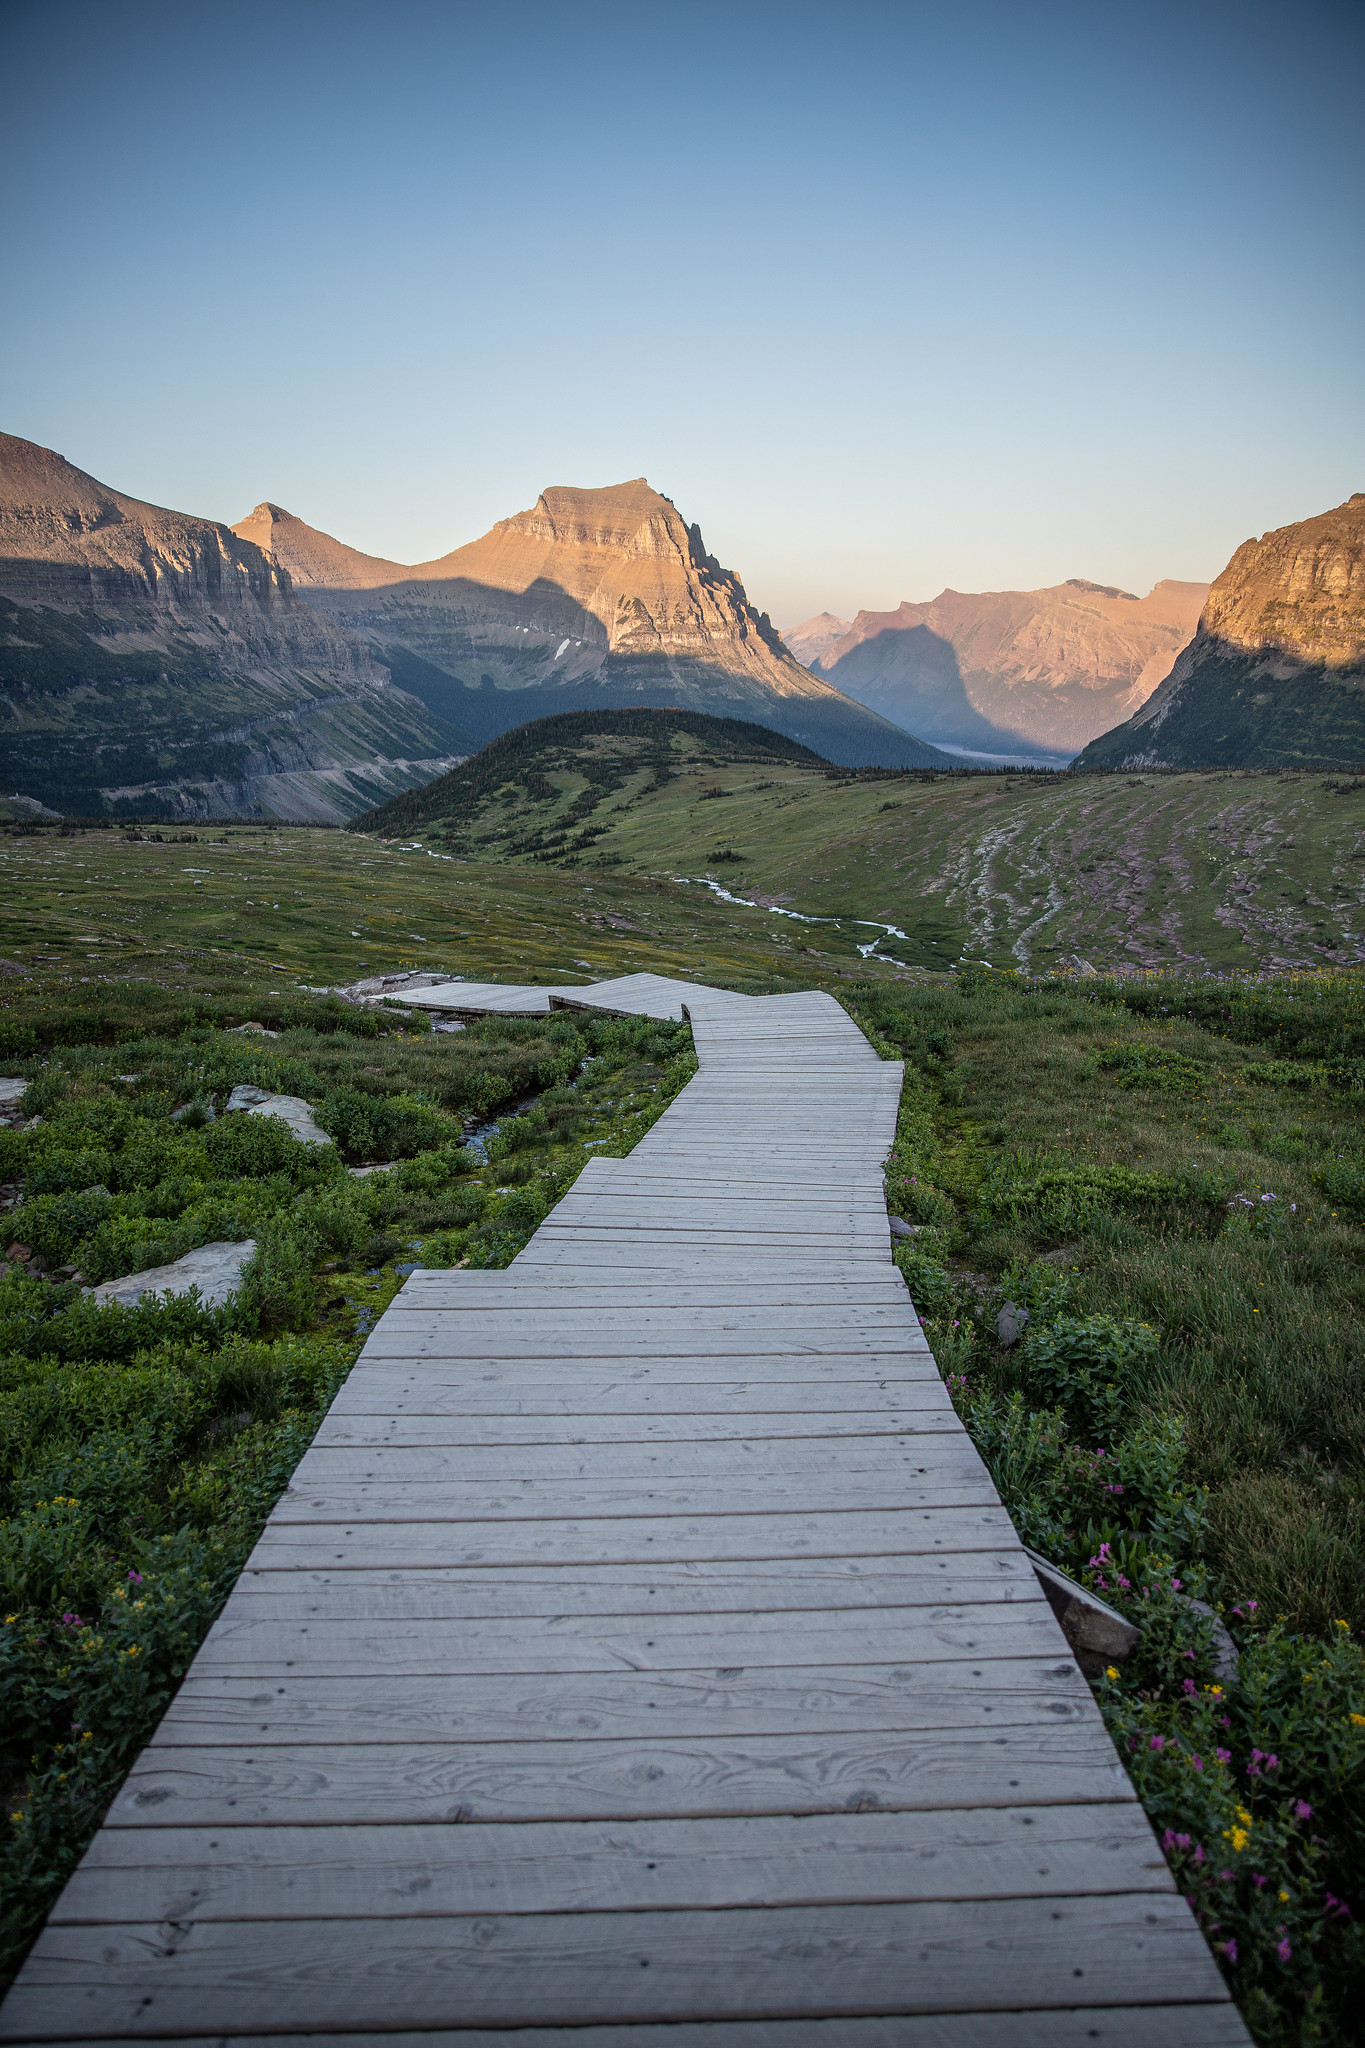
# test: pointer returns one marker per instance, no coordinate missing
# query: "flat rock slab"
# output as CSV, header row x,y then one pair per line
x,y
215,1269
10,1091
290,1109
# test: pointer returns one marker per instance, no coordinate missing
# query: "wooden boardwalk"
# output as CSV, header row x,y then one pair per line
x,y
641,1658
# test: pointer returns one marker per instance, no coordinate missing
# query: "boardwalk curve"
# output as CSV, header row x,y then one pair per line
x,y
641,1658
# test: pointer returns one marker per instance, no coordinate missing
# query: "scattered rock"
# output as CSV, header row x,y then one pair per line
x,y
215,1269
381,1166
194,1112
290,1109
1224,1649
900,1228
261,1029
11,1090
1098,1635
20,1253
1009,1324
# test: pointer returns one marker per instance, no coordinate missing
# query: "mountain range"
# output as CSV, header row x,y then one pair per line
x,y
1275,674
155,664
590,600
1010,672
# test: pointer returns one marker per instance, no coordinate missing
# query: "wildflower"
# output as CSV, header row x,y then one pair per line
x,y
135,1578
1283,1950
1229,1948
1238,1838
1342,1624
1224,1756
1258,1881
1302,1810
132,1650
1284,1898
1357,1720
1158,1742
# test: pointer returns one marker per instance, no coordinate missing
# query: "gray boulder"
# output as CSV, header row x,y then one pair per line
x,y
215,1269
291,1110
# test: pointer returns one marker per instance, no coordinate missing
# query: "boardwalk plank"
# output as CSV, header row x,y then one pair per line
x,y
336,1645
229,1784
550,1968
776,1860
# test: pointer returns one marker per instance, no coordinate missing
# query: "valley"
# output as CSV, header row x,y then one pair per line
x,y
1224,872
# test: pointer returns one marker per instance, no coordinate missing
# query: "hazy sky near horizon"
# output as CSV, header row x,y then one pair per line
x,y
886,297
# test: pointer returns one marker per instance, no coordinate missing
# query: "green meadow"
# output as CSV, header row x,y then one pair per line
x,y
1164,1169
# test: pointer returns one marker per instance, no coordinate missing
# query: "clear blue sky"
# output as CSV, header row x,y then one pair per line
x,y
887,297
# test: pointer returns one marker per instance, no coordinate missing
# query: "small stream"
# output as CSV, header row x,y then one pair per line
x,y
867,949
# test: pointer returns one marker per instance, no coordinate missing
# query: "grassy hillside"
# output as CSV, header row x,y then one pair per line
x,y
605,748
1223,870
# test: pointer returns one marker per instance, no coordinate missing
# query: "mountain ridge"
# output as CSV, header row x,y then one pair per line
x,y
1275,673
156,663
1037,671
592,597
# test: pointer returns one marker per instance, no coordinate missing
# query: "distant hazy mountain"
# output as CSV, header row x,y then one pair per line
x,y
155,664
1275,675
1010,671
592,599
814,637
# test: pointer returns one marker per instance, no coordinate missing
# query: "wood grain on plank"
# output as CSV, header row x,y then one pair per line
x,y
299,1873
579,1967
231,1784
302,1707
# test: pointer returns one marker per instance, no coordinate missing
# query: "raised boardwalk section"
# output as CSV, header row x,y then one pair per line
x,y
641,1658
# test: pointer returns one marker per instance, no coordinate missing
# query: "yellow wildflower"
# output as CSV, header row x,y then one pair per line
x,y
1358,1720
1111,1670
1237,1836
131,1651
11,1617
1214,1689
1284,1898
1341,1624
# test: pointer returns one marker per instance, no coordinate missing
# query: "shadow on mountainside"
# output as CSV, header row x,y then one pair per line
x,y
912,676
1226,707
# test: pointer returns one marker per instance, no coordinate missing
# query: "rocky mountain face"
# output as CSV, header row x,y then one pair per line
x,y
1275,674
1023,672
156,664
591,599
